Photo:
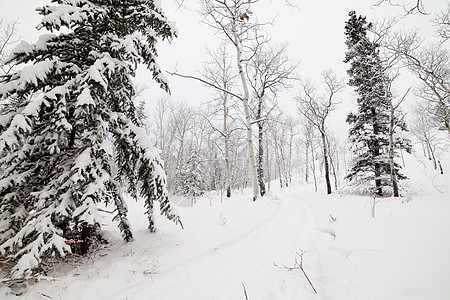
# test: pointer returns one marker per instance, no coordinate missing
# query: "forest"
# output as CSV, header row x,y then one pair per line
x,y
87,150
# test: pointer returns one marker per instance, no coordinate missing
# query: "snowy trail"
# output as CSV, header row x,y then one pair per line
x,y
246,259
402,253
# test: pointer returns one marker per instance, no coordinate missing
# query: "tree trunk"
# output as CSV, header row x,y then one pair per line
x,y
251,152
332,164
227,150
376,152
280,175
325,160
86,235
268,165
333,169
313,166
443,104
262,186
428,147
180,153
278,162
283,167
432,157
307,162
345,164
403,158
260,170
291,141
391,150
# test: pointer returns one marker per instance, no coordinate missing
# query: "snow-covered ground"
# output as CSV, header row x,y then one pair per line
x,y
231,244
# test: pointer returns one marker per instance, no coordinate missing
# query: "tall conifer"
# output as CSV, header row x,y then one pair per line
x,y
68,130
369,130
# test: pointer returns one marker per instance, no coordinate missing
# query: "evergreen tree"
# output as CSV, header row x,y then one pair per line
x,y
194,183
70,139
369,130
190,182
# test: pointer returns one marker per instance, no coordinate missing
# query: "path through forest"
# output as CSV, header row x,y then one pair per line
x,y
246,258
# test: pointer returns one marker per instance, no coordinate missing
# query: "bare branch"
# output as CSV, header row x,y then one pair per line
x,y
205,82
8,37
409,8
442,24
245,291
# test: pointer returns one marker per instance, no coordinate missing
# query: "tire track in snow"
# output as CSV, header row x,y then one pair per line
x,y
248,258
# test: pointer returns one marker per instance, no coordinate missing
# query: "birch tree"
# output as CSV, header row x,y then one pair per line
x,y
425,131
317,107
270,71
219,71
431,64
233,19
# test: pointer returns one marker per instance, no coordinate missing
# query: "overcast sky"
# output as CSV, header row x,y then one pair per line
x,y
314,32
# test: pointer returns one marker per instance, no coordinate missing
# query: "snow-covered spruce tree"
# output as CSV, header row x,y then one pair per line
x,y
194,183
69,139
369,130
190,179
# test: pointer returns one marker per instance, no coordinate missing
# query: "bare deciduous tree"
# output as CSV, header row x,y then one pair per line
x,y
442,23
394,121
281,135
431,64
388,73
8,37
269,72
307,139
317,107
333,153
233,19
425,131
219,71
182,119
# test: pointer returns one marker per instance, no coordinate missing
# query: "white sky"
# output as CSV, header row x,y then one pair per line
x,y
314,31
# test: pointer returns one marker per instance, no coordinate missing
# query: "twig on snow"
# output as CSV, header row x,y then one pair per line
x,y
434,177
299,266
245,291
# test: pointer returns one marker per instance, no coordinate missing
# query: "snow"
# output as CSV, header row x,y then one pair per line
x,y
33,107
36,72
94,74
402,253
128,43
62,15
85,98
23,48
9,138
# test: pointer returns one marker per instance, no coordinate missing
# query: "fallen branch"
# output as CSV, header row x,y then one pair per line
x,y
358,250
434,177
299,266
245,292
42,294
